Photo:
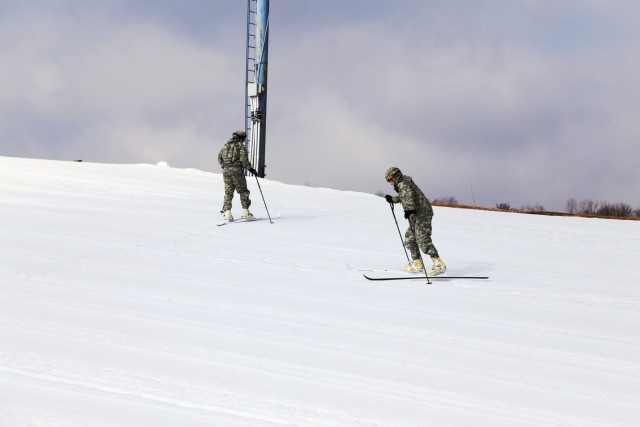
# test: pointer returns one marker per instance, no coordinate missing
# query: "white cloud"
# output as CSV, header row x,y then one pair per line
x,y
479,111
138,79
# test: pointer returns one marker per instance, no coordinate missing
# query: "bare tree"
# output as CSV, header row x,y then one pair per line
x,y
446,200
572,206
533,208
620,210
588,207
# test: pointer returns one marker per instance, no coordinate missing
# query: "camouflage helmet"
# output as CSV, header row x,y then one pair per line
x,y
391,172
240,134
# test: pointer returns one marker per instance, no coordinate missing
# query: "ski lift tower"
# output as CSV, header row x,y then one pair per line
x,y
256,82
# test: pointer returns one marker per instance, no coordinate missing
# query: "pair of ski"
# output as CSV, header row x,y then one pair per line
x,y
418,276
240,220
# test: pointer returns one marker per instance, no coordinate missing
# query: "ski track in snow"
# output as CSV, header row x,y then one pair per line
x,y
123,304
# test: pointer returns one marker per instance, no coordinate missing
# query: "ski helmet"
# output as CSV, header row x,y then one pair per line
x,y
240,134
391,172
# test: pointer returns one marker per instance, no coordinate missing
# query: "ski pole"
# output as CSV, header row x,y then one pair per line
x,y
399,233
265,203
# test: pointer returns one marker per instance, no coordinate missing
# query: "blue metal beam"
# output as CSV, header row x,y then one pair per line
x,y
256,92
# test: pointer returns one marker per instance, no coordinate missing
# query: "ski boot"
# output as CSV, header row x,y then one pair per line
x,y
414,267
438,267
246,215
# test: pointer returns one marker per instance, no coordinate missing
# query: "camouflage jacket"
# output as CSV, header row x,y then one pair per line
x,y
411,197
234,155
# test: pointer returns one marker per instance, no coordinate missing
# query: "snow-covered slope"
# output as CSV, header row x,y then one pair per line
x,y
123,304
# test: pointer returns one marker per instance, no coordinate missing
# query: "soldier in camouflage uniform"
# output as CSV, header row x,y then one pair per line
x,y
233,159
419,212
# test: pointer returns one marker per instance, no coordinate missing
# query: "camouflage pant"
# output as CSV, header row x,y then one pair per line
x,y
234,180
422,237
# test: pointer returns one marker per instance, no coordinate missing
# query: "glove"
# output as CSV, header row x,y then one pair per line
x,y
407,214
253,171
388,198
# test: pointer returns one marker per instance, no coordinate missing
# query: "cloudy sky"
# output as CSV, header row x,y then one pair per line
x,y
522,101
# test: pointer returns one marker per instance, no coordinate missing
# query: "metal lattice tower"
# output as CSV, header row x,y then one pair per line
x,y
256,82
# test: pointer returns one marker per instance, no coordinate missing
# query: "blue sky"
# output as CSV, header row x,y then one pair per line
x,y
530,102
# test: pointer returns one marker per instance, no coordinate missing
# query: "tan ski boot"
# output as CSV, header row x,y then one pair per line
x,y
414,267
246,215
438,267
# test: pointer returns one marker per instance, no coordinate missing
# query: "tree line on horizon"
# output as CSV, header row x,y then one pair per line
x,y
584,207
572,207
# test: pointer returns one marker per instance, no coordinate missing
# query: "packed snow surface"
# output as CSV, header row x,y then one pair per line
x,y
122,303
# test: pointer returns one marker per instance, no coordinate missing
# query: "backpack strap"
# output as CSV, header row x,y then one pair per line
x,y
231,156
